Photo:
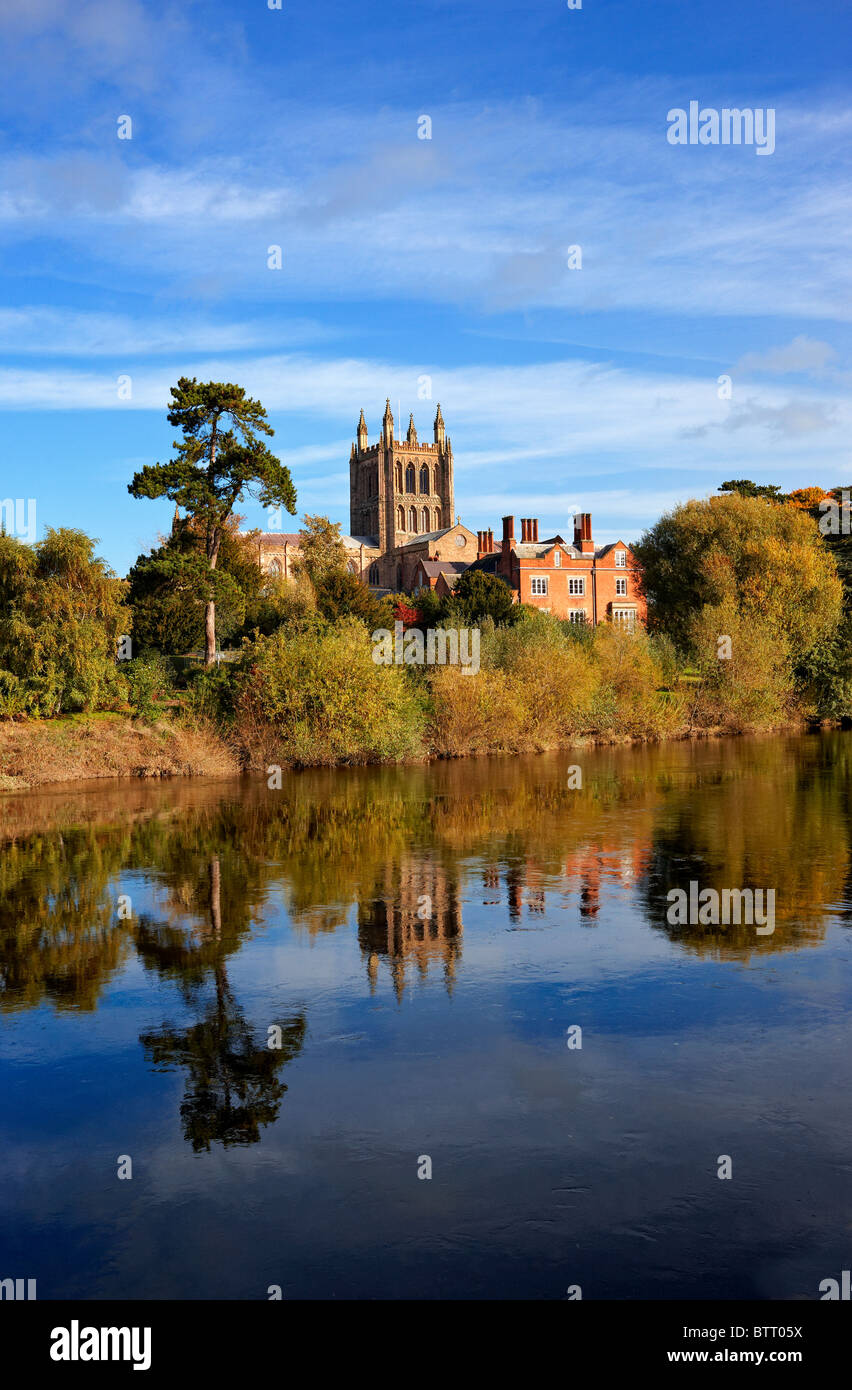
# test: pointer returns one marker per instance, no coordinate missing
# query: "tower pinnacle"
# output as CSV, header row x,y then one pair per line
x,y
387,423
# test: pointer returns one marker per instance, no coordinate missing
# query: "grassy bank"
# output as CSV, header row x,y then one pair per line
x,y
35,753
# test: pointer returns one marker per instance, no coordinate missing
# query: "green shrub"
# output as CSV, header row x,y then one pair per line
x,y
149,681
311,693
210,693
14,696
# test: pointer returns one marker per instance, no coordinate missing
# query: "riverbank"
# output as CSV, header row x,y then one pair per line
x,y
104,747
37,753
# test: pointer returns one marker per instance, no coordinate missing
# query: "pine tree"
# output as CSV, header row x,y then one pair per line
x,y
220,459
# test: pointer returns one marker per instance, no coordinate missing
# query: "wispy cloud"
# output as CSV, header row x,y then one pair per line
x,y
46,332
482,215
544,419
803,354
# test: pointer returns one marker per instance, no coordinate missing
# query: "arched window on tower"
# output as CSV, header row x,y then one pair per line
x,y
424,479
275,569
437,525
437,479
374,573
424,519
398,476
412,519
400,518
409,478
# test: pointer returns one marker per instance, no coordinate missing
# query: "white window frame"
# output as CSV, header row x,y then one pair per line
x,y
621,587
557,559
535,580
574,580
621,559
624,617
577,615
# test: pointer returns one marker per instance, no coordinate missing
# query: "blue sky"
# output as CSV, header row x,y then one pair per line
x,y
593,389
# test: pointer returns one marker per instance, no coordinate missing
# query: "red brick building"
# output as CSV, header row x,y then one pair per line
x,y
581,581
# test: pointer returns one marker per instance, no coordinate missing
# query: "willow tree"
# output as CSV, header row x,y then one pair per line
x,y
220,459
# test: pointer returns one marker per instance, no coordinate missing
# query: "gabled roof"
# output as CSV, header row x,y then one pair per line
x,y
426,537
432,568
605,549
486,562
275,540
536,550
369,542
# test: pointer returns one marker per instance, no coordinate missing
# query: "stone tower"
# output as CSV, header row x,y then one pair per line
x,y
399,488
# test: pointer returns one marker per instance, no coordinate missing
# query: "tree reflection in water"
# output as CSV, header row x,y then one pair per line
x,y
219,859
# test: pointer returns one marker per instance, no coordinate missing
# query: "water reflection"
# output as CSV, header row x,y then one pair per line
x,y
397,852
413,919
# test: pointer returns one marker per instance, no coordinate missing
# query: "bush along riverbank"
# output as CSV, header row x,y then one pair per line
x,y
317,693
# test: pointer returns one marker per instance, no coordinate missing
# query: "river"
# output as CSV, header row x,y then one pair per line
x,y
430,1032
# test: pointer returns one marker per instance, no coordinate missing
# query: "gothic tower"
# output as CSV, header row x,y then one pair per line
x,y
400,489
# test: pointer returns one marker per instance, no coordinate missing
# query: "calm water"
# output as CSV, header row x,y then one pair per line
x,y
150,936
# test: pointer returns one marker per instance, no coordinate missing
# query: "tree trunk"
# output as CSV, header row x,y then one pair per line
x,y
210,608
215,877
209,634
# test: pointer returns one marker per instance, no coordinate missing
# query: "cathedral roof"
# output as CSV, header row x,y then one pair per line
x,y
450,569
276,540
427,536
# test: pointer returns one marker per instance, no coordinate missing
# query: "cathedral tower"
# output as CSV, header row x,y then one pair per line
x,y
400,489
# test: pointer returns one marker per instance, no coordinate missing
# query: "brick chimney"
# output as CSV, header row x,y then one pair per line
x,y
525,530
534,530
508,533
583,533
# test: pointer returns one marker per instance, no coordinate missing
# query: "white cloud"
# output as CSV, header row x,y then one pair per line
x,y
554,426
803,354
481,216
72,333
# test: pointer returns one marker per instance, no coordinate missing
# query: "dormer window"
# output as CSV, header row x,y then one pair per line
x,y
621,559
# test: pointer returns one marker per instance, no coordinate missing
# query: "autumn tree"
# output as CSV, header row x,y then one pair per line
x,y
805,499
323,564
62,615
741,562
321,548
220,459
